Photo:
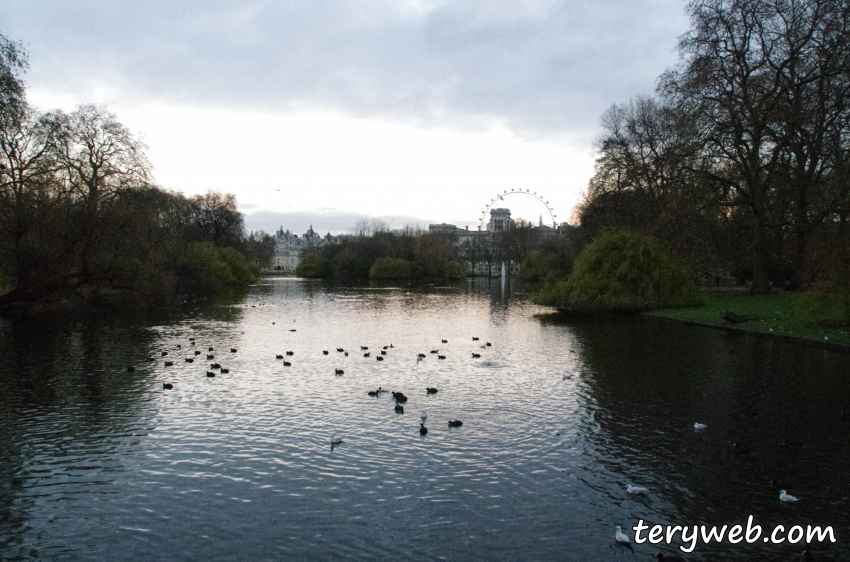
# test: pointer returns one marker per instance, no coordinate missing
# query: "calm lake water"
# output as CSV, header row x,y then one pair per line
x,y
98,463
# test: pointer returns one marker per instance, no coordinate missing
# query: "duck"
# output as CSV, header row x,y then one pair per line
x,y
169,363
455,423
488,344
151,359
233,350
225,371
785,497
130,369
339,372
197,352
325,352
635,489
474,338
698,425
399,397
210,374
621,537
441,357
215,366
278,356
383,352
422,429
189,360
340,350
399,409
431,390
363,347
290,353
210,357
164,353
421,356
373,393
210,348
444,341
385,347
379,358
167,386
292,330
567,378
287,364
476,355
366,354
435,351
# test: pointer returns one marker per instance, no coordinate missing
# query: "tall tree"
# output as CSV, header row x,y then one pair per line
x,y
98,155
750,76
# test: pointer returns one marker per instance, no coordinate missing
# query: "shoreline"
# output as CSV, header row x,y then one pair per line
x,y
770,335
792,317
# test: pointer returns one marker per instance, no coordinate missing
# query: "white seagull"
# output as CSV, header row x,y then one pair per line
x,y
786,497
698,425
335,440
424,416
635,489
621,536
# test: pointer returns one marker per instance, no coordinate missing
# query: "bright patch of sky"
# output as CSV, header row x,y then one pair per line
x,y
418,110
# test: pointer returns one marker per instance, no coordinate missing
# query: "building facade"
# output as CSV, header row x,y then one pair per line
x,y
289,247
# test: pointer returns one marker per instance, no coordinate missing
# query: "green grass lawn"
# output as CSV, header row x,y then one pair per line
x,y
786,314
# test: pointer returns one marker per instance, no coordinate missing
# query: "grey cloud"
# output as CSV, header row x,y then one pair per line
x,y
541,67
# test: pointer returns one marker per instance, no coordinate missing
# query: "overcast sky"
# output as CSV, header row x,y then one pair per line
x,y
312,110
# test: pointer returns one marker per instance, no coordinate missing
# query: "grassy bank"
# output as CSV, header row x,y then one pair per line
x,y
784,314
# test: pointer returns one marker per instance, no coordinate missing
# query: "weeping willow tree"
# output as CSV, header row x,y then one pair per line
x,y
622,271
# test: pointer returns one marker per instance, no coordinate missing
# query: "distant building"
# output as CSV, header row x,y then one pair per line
x,y
289,247
477,246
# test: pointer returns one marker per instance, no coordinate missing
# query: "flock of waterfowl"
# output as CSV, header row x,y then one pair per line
x,y
398,397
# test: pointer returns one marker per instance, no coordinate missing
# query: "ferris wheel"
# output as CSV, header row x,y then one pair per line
x,y
515,194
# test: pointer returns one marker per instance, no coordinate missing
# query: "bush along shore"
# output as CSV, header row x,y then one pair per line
x,y
407,254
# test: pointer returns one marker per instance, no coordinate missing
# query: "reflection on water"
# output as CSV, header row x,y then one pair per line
x,y
559,416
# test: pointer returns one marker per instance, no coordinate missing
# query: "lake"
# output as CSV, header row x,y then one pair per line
x,y
559,416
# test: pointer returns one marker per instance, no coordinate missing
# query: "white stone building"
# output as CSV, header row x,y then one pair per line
x,y
289,247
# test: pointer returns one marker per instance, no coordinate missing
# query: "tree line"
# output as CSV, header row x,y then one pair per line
x,y
82,221
740,160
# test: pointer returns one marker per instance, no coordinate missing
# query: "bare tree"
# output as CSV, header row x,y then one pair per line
x,y
98,155
216,218
754,77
